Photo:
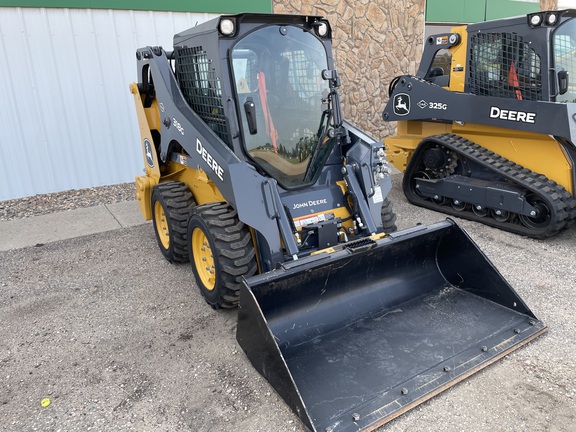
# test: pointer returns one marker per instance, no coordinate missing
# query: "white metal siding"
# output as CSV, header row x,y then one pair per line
x,y
67,119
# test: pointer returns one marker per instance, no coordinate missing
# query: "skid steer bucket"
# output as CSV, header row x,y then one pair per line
x,y
354,338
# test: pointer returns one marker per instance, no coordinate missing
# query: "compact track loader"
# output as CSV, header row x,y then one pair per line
x,y
487,127
280,205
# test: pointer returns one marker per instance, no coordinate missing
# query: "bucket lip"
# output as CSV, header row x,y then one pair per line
x,y
309,262
386,407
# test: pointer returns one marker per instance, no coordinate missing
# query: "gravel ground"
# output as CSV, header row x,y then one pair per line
x,y
116,338
68,200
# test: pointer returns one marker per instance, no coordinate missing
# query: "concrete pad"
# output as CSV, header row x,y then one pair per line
x,y
126,213
48,228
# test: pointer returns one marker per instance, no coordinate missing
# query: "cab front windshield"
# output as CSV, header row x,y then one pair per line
x,y
278,72
565,57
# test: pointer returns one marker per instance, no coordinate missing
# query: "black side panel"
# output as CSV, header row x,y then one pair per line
x,y
409,97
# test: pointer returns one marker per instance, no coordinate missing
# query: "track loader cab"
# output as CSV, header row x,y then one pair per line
x,y
280,205
489,135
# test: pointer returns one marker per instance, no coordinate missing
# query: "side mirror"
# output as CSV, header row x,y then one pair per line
x,y
562,82
250,110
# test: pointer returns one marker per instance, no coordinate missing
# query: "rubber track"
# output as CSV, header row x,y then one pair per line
x,y
560,202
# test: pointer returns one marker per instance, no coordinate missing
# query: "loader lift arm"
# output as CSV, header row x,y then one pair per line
x,y
232,176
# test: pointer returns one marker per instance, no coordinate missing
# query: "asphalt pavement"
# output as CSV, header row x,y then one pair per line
x,y
100,333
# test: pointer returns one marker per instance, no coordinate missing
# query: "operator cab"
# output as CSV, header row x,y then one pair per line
x,y
277,73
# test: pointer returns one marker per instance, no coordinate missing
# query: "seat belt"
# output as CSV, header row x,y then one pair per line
x,y
513,80
270,129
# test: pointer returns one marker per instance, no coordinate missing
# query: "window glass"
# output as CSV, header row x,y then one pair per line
x,y
278,69
565,57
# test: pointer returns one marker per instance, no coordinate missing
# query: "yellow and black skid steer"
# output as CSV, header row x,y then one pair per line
x,y
280,205
487,127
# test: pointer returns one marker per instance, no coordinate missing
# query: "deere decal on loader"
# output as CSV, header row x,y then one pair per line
x,y
486,128
281,206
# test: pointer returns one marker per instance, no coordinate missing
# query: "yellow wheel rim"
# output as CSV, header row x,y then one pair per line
x,y
161,225
203,259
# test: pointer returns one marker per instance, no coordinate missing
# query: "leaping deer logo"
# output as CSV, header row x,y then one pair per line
x,y
402,105
148,153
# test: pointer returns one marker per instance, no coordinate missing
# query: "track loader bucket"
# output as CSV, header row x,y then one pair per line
x,y
354,338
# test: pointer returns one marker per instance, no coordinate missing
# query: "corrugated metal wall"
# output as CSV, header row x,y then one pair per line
x,y
67,118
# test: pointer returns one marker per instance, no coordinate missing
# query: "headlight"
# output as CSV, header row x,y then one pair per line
x,y
227,26
535,20
321,28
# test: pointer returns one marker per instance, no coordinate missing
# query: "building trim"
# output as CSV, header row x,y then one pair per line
x,y
214,6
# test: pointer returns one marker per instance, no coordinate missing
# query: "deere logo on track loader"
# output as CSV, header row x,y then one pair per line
x,y
510,115
402,104
310,203
214,166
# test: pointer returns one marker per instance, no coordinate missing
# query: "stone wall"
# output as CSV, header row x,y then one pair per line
x,y
374,41
549,4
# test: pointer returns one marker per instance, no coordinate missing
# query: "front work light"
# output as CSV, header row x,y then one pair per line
x,y
535,20
322,29
227,27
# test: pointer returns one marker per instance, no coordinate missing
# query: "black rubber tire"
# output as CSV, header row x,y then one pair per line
x,y
232,253
177,204
388,217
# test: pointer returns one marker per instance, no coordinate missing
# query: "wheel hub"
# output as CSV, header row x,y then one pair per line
x,y
203,259
161,225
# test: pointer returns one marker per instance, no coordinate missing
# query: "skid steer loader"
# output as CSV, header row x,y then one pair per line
x,y
281,207
487,127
